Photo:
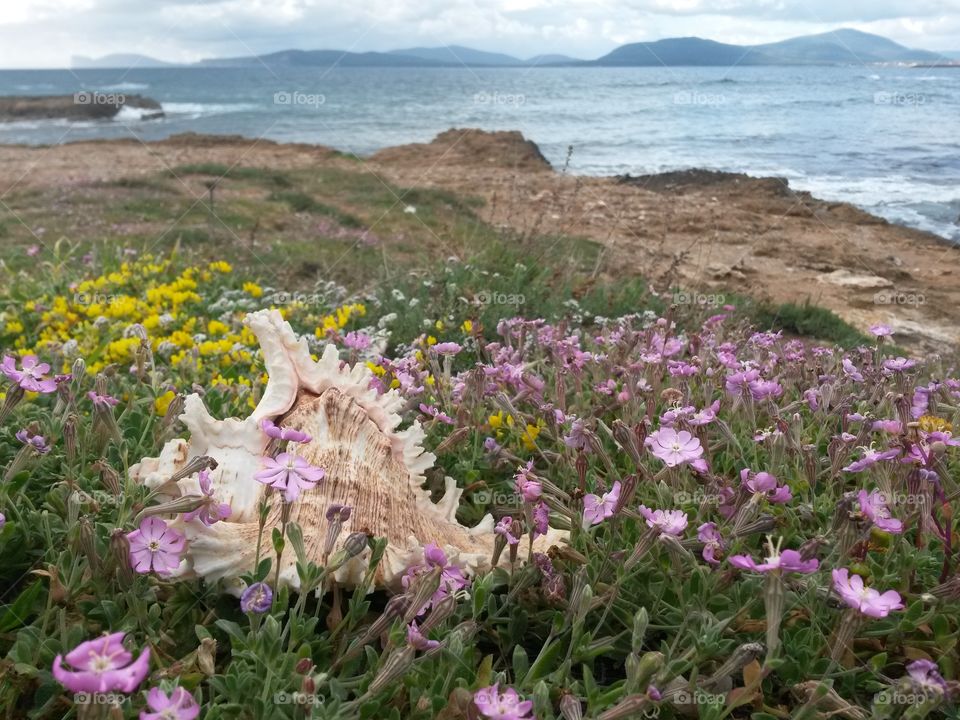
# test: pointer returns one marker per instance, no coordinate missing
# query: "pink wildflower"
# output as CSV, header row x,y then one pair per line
x,y
211,512
712,542
156,547
765,484
670,522
102,402
787,561
289,473
870,458
178,705
867,600
279,433
418,640
505,528
32,375
874,506
899,364
502,706
102,665
529,488
597,509
674,448
446,348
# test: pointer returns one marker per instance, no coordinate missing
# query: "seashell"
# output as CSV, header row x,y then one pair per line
x,y
371,465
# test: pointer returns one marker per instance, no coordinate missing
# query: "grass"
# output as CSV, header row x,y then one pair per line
x,y
220,171
301,202
807,320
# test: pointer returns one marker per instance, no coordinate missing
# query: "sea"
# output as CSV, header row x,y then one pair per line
x,y
886,139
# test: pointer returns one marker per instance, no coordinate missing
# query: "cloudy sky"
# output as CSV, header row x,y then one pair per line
x,y
46,33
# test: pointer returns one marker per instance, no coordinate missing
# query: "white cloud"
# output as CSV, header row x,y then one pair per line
x,y
46,33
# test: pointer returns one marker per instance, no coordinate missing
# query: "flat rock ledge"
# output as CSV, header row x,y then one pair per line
x,y
83,105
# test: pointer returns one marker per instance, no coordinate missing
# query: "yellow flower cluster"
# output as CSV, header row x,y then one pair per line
x,y
92,319
528,434
338,319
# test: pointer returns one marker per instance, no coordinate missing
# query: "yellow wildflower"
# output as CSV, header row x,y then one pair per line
x,y
162,403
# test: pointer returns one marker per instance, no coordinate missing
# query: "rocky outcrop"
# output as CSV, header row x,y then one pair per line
x,y
84,105
470,147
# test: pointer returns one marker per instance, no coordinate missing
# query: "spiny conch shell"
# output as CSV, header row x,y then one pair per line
x,y
370,466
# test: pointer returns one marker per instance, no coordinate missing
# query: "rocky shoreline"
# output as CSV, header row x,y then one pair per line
x,y
83,105
708,232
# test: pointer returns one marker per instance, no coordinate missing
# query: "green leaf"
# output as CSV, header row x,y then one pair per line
x,y
278,542
263,569
545,662
17,613
521,663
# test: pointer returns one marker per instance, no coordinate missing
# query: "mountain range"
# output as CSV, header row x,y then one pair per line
x,y
839,47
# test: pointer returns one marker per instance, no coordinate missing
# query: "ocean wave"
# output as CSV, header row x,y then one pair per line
x,y
133,114
195,110
125,87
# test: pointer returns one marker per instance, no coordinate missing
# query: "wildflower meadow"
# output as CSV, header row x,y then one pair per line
x,y
693,516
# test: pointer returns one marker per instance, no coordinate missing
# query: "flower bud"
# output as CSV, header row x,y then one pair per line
x,y
452,440
570,707
78,370
440,612
650,664
627,440
742,656
196,464
774,593
423,589
640,622
174,411
334,527
109,478
763,524
183,504
120,556
630,707
87,543
70,427
206,656
395,666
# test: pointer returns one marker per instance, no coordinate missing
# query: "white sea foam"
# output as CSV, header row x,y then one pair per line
x,y
126,87
132,114
195,110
